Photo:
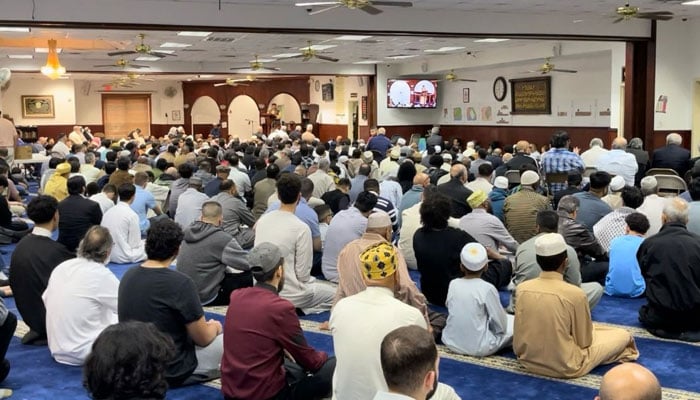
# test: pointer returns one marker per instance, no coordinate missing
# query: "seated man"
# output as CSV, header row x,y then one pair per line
x,y
144,201
213,258
258,318
484,227
338,199
284,229
526,266
410,364
360,322
152,292
78,214
613,225
30,269
629,381
124,223
81,299
477,324
189,204
624,278
11,230
670,264
238,220
554,335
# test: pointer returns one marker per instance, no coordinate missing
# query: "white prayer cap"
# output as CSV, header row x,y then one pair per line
x,y
473,256
550,244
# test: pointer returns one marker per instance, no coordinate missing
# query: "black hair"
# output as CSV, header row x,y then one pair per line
x,y
272,171
226,185
54,161
76,185
485,169
366,202
407,171
322,211
407,354
74,164
364,170
307,187
482,153
126,191
435,160
435,211
42,209
344,182
92,188
111,156
559,139
637,222
288,188
128,361
548,221
574,179
185,170
163,239
551,263
110,167
371,185
123,163
632,197
110,188
600,180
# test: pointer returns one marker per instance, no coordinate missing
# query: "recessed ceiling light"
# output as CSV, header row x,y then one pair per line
x,y
205,76
286,55
402,56
490,40
367,62
264,60
164,51
319,47
691,3
194,33
21,56
147,58
13,29
444,49
45,50
352,37
175,45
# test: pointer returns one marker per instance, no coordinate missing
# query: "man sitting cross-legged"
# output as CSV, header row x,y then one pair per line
x,y
123,222
81,299
554,335
152,292
213,258
260,327
35,256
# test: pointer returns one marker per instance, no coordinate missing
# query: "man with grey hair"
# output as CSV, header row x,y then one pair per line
x,y
435,139
636,148
670,264
189,205
618,162
238,220
81,299
653,205
672,155
596,149
322,181
88,169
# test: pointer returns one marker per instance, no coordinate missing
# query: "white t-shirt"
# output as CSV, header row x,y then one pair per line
x,y
81,301
123,224
358,324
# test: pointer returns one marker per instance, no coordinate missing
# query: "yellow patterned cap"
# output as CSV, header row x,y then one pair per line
x,y
378,261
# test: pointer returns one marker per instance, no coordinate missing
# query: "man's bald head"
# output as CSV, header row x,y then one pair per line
x,y
619,143
522,146
422,179
459,171
629,381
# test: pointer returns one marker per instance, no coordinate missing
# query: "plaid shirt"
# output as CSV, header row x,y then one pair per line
x,y
560,160
611,226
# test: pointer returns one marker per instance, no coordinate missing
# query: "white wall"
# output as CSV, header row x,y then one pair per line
x,y
336,111
289,107
63,95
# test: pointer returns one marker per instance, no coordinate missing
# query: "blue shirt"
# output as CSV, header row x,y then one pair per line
x,y
591,210
561,160
305,213
143,201
624,277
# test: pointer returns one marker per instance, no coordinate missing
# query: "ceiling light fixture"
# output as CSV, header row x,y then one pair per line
x,y
367,62
53,68
319,47
147,58
194,33
13,29
286,55
444,49
46,50
352,37
174,45
490,40
691,3
21,56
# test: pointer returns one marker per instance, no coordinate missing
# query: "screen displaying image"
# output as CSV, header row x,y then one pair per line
x,y
411,93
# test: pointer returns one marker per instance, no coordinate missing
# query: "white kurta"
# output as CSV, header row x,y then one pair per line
x,y
477,324
123,224
81,301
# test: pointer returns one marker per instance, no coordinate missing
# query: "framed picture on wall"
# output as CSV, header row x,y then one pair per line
x,y
327,92
37,107
176,115
465,95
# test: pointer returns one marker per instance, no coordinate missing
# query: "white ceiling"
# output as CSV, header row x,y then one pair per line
x,y
220,51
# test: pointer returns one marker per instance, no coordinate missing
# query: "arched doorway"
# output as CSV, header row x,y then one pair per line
x,y
204,113
289,107
243,117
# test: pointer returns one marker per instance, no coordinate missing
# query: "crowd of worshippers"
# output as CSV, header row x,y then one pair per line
x,y
281,226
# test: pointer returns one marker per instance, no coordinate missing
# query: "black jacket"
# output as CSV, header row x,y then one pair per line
x,y
671,156
581,239
455,190
76,215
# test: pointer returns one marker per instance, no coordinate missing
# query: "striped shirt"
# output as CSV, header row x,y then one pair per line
x,y
385,205
520,212
560,160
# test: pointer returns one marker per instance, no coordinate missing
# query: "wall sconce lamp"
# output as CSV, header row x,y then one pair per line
x,y
53,68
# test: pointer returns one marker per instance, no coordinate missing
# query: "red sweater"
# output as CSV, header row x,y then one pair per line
x,y
259,326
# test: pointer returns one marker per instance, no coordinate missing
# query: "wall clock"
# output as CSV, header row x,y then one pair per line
x,y
317,85
500,89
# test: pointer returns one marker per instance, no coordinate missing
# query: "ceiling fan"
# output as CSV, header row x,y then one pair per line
x,y
367,6
308,53
240,82
626,12
256,65
129,80
548,67
121,63
141,48
451,77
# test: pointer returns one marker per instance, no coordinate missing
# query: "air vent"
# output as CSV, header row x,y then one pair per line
x,y
220,39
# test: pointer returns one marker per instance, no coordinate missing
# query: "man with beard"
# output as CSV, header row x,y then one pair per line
x,y
258,318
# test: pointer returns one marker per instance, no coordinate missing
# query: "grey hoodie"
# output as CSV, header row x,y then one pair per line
x,y
205,253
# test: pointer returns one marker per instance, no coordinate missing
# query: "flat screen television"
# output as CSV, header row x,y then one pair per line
x,y
411,93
